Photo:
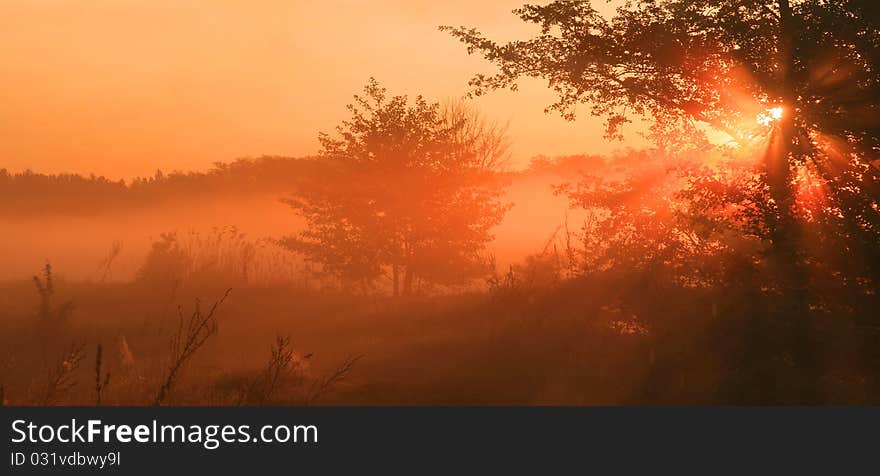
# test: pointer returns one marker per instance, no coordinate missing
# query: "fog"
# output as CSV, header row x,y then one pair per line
x,y
77,246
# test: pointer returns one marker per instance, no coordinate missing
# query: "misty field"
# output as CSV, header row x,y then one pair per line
x,y
521,343
725,251
215,317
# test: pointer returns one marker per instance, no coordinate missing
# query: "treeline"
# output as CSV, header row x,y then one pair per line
x,y
30,194
33,194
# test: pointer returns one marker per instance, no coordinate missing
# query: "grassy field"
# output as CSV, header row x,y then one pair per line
x,y
577,342
474,348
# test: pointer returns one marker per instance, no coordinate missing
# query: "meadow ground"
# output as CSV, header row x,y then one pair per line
x,y
577,342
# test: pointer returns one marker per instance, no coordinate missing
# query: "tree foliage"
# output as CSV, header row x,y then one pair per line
x,y
693,66
409,190
705,60
784,210
34,194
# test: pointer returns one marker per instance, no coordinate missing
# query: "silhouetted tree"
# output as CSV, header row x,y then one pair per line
x,y
682,63
409,189
796,79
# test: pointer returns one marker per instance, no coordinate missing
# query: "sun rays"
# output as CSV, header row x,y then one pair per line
x,y
771,115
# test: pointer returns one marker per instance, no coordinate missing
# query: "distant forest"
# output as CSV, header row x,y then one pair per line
x,y
31,194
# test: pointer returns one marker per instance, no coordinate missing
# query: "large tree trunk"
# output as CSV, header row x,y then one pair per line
x,y
782,147
785,232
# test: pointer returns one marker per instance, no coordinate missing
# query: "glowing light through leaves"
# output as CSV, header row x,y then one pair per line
x,y
770,116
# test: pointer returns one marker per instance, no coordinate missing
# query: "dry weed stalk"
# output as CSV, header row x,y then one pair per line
x,y
277,369
190,337
101,379
263,386
46,290
61,379
321,387
107,263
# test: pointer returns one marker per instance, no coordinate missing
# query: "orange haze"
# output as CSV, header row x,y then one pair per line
x,y
123,87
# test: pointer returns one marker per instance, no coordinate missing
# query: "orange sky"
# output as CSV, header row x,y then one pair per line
x,y
123,87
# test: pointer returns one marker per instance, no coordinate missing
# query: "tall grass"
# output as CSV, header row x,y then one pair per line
x,y
48,313
223,255
61,378
102,379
